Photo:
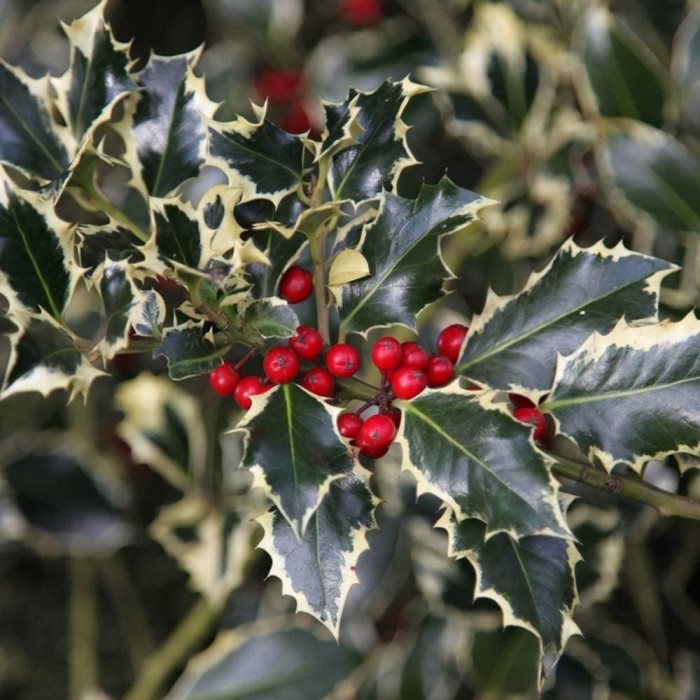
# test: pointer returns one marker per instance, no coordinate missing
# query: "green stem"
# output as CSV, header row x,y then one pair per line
x,y
634,487
83,628
178,647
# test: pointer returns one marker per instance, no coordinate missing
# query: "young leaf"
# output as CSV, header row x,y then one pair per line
x,y
632,395
294,451
530,579
515,340
402,248
189,351
319,570
269,318
469,452
37,266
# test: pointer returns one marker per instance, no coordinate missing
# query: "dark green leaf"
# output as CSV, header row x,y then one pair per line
x,y
465,449
514,342
319,570
294,451
178,235
189,351
633,395
402,249
270,318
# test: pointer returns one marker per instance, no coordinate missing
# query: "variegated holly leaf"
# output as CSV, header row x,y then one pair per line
x,y
189,351
212,545
268,662
402,248
168,127
268,318
294,451
258,157
615,61
319,570
163,427
148,316
468,451
632,395
44,357
341,128
280,252
98,75
514,342
96,243
37,266
374,163
531,579
29,140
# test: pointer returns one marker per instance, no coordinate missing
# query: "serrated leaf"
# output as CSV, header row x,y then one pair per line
x,y
632,395
168,126
319,570
531,579
213,546
515,340
374,163
349,265
96,243
469,452
269,318
163,427
623,72
28,137
37,266
341,128
280,251
44,357
147,318
266,663
294,451
403,253
259,157
189,351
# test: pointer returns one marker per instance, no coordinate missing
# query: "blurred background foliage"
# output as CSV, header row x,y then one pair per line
x,y
581,117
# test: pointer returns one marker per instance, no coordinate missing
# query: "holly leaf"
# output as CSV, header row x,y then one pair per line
x,y
163,427
189,351
581,290
402,249
28,138
341,126
44,357
375,162
531,579
37,266
318,570
148,316
468,451
168,127
269,318
632,395
259,157
294,451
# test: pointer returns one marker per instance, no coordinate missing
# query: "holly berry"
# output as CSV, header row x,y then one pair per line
x,y
413,355
439,370
450,341
297,120
349,424
361,13
386,354
408,382
278,85
281,364
342,360
372,451
394,415
247,387
535,417
307,343
296,284
377,431
520,401
223,379
318,380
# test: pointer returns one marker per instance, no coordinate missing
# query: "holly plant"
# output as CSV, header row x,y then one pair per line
x,y
292,275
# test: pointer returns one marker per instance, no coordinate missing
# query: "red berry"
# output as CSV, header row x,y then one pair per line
x,y
281,364
395,416
439,370
342,360
278,85
361,13
297,120
223,379
535,417
377,431
318,380
307,343
408,382
450,341
296,284
520,401
386,354
349,424
413,355
247,387
372,451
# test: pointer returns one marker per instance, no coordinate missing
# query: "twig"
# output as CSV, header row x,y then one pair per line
x,y
83,628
